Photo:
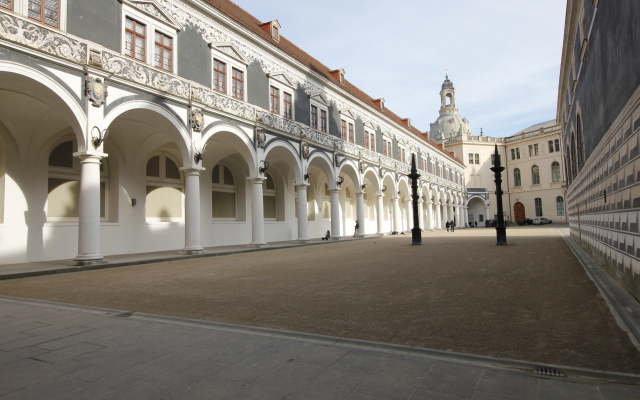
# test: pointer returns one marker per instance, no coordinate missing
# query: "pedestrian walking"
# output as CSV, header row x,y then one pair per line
x,y
448,226
355,231
453,225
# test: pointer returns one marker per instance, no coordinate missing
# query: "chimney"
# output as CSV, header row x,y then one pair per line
x,y
338,74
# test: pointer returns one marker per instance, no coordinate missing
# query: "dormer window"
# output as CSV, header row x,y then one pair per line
x,y
379,103
273,29
338,74
406,122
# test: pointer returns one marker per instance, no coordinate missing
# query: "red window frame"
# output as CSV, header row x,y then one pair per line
x,y
323,120
42,14
275,100
134,34
314,117
8,7
288,105
343,126
366,140
372,146
219,76
160,49
237,83
352,136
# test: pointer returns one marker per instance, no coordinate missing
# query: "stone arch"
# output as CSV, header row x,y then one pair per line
x,y
284,153
179,137
234,138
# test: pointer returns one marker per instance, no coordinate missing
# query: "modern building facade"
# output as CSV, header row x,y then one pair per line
x,y
599,112
141,125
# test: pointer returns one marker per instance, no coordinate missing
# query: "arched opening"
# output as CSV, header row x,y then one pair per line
x,y
518,212
556,176
165,186
477,210
224,193
560,205
269,198
517,178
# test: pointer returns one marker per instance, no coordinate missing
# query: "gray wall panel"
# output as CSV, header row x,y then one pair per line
x,y
302,107
194,57
96,20
334,120
257,86
359,132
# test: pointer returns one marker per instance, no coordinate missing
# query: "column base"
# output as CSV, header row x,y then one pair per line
x,y
336,238
302,241
191,252
78,262
258,245
361,236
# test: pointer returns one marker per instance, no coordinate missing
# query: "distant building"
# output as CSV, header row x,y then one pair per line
x,y
533,178
599,112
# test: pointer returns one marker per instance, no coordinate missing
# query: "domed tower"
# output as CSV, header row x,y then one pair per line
x,y
449,124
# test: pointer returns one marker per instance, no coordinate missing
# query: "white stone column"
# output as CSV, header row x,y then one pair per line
x,y
303,217
257,211
380,213
409,206
466,215
439,216
397,224
360,213
89,212
421,214
335,215
429,215
192,212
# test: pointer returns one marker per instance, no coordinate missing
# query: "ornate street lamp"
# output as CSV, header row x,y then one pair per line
x,y
501,231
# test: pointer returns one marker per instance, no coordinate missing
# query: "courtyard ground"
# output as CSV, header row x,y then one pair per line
x,y
530,301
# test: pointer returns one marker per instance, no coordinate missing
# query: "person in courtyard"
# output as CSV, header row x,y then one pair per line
x,y
326,235
448,226
355,231
453,225
476,224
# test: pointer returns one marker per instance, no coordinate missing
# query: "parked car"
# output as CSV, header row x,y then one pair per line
x,y
541,221
525,221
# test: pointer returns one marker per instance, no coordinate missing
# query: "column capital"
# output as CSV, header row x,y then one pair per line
x,y
256,180
337,190
302,185
191,171
86,156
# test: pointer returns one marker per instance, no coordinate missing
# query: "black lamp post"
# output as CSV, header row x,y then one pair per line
x,y
501,231
416,232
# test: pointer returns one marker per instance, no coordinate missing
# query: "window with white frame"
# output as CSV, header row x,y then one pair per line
x,y
149,35
281,95
347,126
49,12
224,193
477,158
229,70
319,110
402,155
538,203
386,147
164,200
369,140
63,198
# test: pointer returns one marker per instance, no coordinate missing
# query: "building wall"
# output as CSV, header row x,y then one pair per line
x,y
602,87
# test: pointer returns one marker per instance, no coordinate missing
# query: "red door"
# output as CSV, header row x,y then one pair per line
x,y
518,211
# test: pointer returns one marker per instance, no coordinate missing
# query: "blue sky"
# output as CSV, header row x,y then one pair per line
x,y
503,55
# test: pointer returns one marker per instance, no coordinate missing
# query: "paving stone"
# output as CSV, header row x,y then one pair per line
x,y
46,389
167,363
210,389
253,367
321,355
103,388
421,394
68,352
12,337
361,360
550,389
15,326
20,354
357,396
492,396
451,378
289,375
119,361
30,372
259,392
620,392
397,378
508,384
332,383
88,336
43,338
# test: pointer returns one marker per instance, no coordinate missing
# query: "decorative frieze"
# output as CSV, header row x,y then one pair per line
x,y
223,103
31,35
127,68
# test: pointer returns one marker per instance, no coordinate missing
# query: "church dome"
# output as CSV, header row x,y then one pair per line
x,y
449,124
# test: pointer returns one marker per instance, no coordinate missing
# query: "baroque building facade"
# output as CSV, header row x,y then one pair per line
x,y
599,112
132,126
533,182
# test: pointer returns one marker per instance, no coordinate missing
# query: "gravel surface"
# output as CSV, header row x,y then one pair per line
x,y
531,300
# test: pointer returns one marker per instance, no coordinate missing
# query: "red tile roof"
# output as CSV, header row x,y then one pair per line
x,y
247,20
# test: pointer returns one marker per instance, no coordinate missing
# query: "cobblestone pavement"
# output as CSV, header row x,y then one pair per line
x,y
56,351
